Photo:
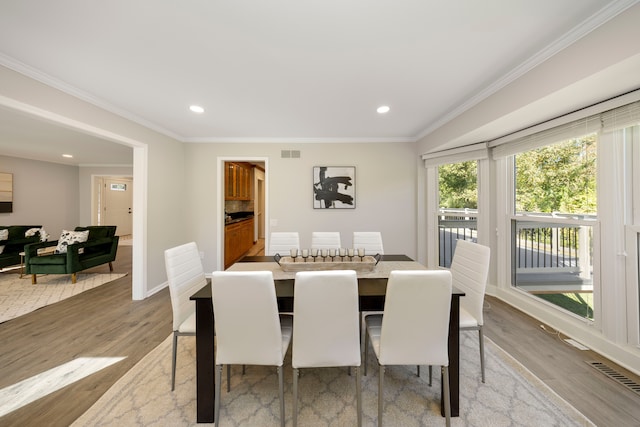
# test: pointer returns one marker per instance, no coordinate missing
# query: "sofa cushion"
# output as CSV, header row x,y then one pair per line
x,y
4,235
53,259
70,237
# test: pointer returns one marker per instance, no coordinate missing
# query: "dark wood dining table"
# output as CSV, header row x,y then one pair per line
x,y
372,289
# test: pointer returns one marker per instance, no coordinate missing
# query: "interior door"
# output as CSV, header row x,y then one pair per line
x,y
118,202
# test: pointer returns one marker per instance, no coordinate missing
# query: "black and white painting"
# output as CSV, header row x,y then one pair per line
x,y
334,187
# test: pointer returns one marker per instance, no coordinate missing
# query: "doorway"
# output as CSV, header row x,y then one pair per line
x,y
113,204
260,202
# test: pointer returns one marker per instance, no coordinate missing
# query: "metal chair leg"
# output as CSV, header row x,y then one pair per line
x,y
447,400
218,386
359,394
228,378
481,341
173,360
281,392
295,397
380,395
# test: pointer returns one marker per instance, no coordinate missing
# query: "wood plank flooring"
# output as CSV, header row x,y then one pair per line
x,y
105,322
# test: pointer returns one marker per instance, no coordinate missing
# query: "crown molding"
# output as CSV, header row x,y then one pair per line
x,y
328,140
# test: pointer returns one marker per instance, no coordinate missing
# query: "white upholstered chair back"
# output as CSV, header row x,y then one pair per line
x,y
371,241
247,322
470,268
325,240
326,326
415,324
281,242
186,276
248,327
326,329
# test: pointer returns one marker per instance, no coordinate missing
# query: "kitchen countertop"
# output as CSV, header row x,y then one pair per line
x,y
237,220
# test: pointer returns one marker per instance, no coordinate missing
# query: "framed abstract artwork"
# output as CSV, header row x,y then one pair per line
x,y
334,187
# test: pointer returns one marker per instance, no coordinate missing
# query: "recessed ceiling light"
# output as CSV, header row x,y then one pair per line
x,y
383,109
197,109
68,156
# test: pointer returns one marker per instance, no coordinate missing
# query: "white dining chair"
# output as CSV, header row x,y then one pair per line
x,y
249,331
185,276
326,331
470,268
370,241
414,328
281,242
325,240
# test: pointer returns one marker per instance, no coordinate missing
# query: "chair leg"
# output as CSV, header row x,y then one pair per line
x,y
481,341
228,378
418,370
295,397
447,400
218,386
281,390
74,278
380,395
173,360
359,394
430,375
110,266
366,347
34,281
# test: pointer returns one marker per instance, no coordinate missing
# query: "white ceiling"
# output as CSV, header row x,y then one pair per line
x,y
276,70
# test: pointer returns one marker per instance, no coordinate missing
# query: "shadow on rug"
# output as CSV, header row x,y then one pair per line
x,y
511,396
18,296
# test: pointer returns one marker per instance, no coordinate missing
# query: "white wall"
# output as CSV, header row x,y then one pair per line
x,y
385,192
43,194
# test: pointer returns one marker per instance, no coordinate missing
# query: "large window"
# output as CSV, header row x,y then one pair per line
x,y
553,226
458,207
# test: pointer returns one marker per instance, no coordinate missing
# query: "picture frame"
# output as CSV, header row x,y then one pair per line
x,y
334,187
6,192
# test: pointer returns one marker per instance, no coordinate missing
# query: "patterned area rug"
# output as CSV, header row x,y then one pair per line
x,y
18,296
512,396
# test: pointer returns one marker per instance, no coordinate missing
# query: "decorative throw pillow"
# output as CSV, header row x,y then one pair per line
x,y
70,237
4,235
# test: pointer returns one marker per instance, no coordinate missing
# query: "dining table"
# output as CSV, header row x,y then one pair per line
x,y
371,288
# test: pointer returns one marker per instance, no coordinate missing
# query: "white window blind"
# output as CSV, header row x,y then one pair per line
x,y
622,117
607,116
570,130
455,155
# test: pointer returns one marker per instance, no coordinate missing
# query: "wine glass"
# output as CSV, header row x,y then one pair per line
x,y
342,252
324,254
314,254
332,254
294,254
305,254
361,253
350,251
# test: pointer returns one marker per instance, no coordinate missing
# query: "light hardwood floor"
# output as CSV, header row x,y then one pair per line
x,y
105,322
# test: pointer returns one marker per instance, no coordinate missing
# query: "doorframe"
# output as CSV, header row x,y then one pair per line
x,y
220,201
95,197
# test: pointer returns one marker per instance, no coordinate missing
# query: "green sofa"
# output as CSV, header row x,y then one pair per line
x,y
100,248
15,242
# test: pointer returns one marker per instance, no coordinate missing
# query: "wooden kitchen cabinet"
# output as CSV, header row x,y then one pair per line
x,y
238,181
238,239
